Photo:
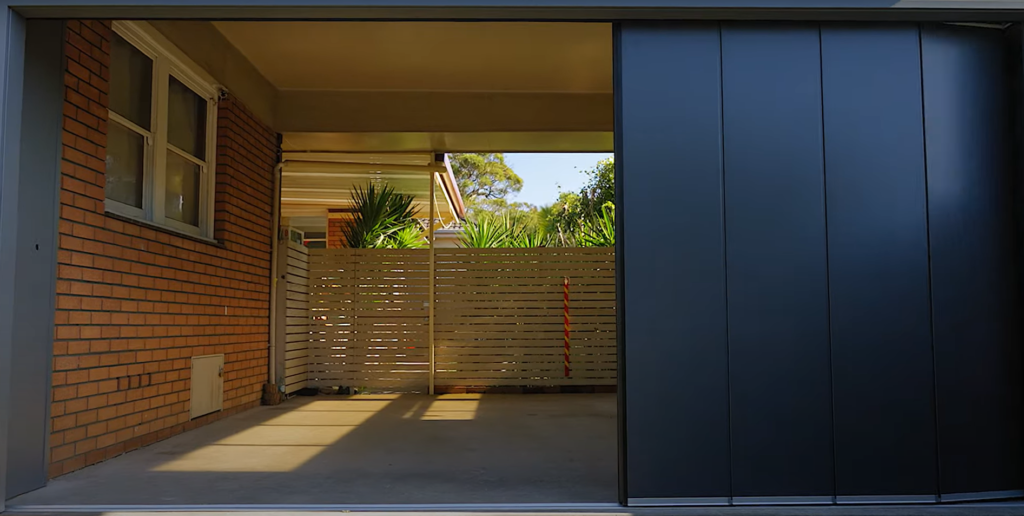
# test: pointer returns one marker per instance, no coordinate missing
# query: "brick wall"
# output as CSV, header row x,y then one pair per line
x,y
134,303
336,221
335,238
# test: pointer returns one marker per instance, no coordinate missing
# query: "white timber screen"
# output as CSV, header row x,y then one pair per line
x,y
499,317
297,322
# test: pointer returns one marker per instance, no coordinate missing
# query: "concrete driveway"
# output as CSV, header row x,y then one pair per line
x,y
373,449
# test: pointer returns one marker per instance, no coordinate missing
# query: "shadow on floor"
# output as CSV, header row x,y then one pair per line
x,y
375,449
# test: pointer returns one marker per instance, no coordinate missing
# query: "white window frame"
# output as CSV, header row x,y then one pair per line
x,y
169,62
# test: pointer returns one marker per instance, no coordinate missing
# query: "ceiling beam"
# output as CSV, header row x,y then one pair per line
x,y
425,111
513,141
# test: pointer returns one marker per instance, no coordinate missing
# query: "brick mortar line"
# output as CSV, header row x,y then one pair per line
x,y
259,279
171,255
243,209
264,291
256,275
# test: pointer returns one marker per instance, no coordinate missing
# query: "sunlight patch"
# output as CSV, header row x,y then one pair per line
x,y
452,410
239,459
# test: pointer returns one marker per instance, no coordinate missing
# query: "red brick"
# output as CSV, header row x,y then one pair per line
x,y
134,303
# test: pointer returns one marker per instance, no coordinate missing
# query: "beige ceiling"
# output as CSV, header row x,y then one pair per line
x,y
428,56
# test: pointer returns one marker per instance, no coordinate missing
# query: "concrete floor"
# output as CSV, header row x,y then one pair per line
x,y
374,449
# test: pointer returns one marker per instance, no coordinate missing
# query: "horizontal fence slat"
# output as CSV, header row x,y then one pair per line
x,y
499,316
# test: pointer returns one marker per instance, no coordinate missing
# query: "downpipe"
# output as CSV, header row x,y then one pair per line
x,y
273,390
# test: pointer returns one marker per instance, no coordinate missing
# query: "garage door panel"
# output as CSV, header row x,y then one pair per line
x,y
669,168
779,374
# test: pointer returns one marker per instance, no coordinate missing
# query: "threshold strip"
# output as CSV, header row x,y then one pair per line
x,y
452,507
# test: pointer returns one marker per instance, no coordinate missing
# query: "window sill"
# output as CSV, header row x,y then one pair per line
x,y
164,229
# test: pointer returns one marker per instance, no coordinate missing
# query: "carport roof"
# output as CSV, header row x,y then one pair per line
x,y
414,86
314,182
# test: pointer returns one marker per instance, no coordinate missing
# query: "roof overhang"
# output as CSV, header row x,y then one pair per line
x,y
313,183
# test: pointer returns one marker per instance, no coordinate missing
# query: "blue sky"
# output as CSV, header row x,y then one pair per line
x,y
544,175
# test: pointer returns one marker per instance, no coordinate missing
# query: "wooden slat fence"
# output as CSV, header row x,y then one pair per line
x,y
369,316
498,317
297,318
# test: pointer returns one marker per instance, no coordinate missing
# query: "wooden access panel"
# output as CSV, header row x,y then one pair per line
x,y
207,385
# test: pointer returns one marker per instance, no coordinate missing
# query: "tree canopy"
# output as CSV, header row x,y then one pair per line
x,y
574,208
485,180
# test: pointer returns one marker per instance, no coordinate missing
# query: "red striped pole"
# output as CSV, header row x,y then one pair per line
x,y
565,285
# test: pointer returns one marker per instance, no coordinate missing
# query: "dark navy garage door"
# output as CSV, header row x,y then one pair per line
x,y
820,287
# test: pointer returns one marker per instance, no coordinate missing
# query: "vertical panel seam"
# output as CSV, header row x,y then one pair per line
x,y
725,247
828,269
928,240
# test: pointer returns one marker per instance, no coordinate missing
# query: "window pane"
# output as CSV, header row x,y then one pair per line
x,y
131,82
182,197
186,124
126,154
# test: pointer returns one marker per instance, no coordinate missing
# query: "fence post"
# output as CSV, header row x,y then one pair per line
x,y
430,288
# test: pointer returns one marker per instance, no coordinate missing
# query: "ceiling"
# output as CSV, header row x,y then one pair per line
x,y
428,56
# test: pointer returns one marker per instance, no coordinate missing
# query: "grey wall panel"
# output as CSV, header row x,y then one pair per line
x,y
674,292
34,286
878,261
776,253
974,294
12,48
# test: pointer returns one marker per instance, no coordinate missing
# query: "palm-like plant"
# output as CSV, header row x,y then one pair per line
x,y
504,230
484,232
534,237
510,230
598,231
380,212
409,237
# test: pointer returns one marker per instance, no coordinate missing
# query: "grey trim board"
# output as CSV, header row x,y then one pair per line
x,y
12,46
439,507
782,500
620,304
539,10
35,285
676,502
984,495
885,499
